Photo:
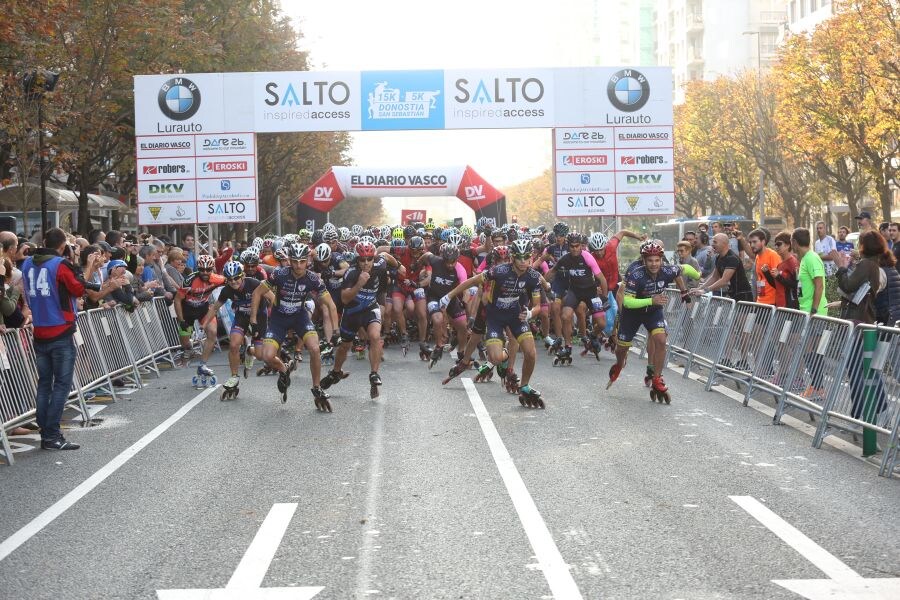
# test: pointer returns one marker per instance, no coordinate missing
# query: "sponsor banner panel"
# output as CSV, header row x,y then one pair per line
x,y
437,181
164,146
223,144
170,190
585,205
643,160
645,204
645,181
243,188
585,183
584,160
307,101
412,216
234,166
402,100
227,211
152,169
324,194
499,98
180,213
585,138
189,103
622,96
643,137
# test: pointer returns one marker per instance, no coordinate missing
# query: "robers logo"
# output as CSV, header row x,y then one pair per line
x,y
154,211
179,98
628,90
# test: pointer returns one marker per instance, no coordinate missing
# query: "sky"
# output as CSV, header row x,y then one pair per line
x,y
403,34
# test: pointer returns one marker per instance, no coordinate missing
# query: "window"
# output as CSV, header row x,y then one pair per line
x,y
812,6
794,11
802,9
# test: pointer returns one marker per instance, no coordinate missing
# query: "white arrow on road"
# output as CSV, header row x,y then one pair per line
x,y
248,577
843,584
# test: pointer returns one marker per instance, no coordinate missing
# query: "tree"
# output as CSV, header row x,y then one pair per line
x,y
839,90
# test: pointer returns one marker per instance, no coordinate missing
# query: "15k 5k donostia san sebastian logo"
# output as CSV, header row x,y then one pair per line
x,y
179,98
628,90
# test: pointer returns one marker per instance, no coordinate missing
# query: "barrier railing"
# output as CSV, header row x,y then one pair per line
x,y
111,344
744,345
773,370
709,325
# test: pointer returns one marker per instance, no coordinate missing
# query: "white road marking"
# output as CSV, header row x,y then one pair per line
x,y
34,527
363,576
252,569
808,549
551,562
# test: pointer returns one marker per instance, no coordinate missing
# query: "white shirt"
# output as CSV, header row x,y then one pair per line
x,y
825,246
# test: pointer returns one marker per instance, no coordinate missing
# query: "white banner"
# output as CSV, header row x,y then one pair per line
x,y
498,98
437,181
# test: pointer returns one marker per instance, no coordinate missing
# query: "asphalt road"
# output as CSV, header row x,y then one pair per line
x,y
421,494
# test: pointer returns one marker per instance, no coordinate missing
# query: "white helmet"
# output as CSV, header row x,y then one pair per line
x,y
597,241
323,252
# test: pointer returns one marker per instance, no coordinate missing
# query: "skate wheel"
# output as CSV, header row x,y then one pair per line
x,y
522,401
195,381
540,403
212,381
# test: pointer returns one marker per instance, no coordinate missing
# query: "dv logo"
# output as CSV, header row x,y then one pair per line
x,y
475,192
322,193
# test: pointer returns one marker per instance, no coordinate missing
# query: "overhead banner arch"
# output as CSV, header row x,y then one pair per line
x,y
340,183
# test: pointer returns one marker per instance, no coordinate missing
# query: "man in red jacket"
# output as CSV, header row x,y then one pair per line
x,y
52,288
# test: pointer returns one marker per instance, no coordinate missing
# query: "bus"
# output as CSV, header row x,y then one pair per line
x,y
672,231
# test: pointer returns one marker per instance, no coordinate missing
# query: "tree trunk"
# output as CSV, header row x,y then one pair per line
x,y
24,189
84,218
883,186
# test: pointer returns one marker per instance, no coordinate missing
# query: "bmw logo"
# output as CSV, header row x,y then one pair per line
x,y
179,98
628,90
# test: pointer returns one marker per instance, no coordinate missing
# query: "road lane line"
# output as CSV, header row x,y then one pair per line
x,y
34,527
252,569
793,537
364,575
555,569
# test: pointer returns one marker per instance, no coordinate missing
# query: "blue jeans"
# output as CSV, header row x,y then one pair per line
x,y
55,362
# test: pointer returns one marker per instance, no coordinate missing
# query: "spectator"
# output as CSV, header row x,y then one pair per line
x,y
893,237
811,276
190,257
767,261
154,276
25,250
887,301
704,254
826,248
883,229
117,239
57,284
96,235
864,221
175,265
683,251
9,297
841,244
784,278
116,270
859,287
691,238
703,228
729,274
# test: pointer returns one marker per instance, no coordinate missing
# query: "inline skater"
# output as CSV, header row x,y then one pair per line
x,y
363,284
289,290
442,274
192,304
555,250
643,304
586,285
514,294
239,289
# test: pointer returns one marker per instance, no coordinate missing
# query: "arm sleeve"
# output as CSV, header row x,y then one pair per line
x,y
634,302
591,262
690,271
482,267
66,276
460,272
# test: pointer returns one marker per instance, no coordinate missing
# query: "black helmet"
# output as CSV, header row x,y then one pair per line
x,y
449,252
416,243
573,238
560,228
317,237
409,231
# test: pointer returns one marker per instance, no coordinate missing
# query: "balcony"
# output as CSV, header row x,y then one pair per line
x,y
694,23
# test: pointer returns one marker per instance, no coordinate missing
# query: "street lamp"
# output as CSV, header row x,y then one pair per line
x,y
762,175
35,84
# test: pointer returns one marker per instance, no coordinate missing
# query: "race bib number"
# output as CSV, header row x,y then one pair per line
x,y
434,306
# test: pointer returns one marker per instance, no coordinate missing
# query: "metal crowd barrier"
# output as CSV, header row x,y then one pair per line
x,y
848,376
111,343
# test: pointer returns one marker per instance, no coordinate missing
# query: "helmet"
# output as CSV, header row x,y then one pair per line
x,y
257,243
249,257
381,242
522,247
512,234
498,233
298,251
397,234
438,233
651,248
499,254
323,252
344,234
328,226
416,243
454,239
303,235
232,270
277,244
409,231
291,238
597,241
281,254
331,235
365,248
317,237
267,244
465,230
367,238
573,238
356,229
429,226
205,261
420,231
398,243
449,252
269,236
385,232
560,228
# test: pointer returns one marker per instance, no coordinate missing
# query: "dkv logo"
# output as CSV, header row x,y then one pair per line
x,y
475,192
323,193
